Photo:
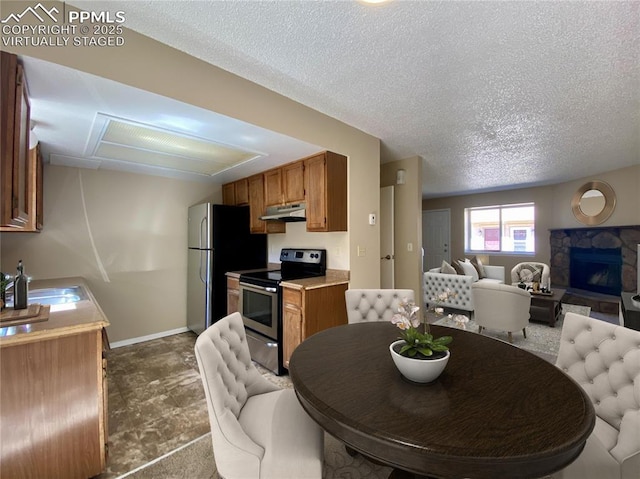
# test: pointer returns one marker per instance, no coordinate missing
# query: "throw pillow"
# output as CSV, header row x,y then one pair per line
x,y
530,273
446,268
469,270
457,267
478,266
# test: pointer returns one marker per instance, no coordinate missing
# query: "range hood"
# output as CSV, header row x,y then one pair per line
x,y
295,212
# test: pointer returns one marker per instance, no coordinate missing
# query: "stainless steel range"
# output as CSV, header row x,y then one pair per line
x,y
261,302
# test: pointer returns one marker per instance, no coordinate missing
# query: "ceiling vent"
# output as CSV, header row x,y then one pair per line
x,y
127,141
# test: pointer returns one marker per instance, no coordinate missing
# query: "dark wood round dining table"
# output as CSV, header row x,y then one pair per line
x,y
497,411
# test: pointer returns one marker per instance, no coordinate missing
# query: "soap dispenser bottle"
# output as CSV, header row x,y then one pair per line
x,y
20,289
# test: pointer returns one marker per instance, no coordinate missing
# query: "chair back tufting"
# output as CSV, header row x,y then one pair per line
x,y
229,379
364,305
604,359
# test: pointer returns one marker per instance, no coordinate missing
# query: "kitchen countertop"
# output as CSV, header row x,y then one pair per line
x,y
64,319
332,278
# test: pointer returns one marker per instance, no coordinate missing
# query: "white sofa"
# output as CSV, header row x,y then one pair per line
x,y
435,282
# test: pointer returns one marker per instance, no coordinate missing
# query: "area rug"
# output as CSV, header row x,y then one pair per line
x,y
195,461
541,338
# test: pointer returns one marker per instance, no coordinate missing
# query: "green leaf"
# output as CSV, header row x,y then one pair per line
x,y
426,351
439,347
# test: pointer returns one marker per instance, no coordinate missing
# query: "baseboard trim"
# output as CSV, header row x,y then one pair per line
x,y
142,339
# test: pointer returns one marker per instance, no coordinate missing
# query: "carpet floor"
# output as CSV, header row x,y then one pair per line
x,y
541,338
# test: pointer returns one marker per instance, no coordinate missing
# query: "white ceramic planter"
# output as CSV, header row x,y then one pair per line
x,y
418,370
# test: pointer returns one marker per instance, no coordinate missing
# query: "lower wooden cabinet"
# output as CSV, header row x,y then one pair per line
x,y
53,408
307,311
233,294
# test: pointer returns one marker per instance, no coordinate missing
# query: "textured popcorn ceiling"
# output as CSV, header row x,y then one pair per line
x,y
491,95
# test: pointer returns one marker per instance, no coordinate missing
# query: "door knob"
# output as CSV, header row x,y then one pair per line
x,y
387,257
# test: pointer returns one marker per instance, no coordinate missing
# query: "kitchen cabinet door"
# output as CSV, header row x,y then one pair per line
x,y
256,204
257,208
229,194
273,188
291,322
293,182
308,311
242,192
325,181
233,295
14,124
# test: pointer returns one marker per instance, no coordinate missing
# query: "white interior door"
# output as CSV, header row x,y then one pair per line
x,y
436,238
387,262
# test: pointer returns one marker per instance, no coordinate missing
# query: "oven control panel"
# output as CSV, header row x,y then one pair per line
x,y
309,256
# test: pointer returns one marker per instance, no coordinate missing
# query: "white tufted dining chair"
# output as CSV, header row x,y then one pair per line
x,y
258,430
365,305
604,359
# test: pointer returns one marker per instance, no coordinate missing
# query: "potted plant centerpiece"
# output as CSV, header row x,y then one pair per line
x,y
418,355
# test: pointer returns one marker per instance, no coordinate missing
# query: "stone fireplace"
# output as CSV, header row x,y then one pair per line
x,y
595,264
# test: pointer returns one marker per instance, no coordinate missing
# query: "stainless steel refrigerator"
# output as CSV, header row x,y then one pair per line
x,y
219,241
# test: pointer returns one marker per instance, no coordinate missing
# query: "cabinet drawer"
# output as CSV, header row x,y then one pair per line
x,y
292,296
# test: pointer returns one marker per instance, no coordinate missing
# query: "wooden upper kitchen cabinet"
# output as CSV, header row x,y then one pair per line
x,y
273,187
229,194
257,208
284,185
325,180
293,182
236,193
307,311
242,192
15,164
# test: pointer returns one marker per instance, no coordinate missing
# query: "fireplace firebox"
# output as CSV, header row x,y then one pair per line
x,y
596,269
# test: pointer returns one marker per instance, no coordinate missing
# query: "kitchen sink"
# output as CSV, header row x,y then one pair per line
x,y
70,294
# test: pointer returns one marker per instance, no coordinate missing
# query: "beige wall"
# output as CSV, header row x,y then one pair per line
x,y
131,247
553,210
407,221
149,65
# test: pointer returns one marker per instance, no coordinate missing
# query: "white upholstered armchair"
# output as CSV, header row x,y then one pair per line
x,y
502,307
374,304
531,271
258,430
604,359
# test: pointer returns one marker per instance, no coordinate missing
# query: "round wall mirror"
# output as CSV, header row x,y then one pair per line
x,y
593,203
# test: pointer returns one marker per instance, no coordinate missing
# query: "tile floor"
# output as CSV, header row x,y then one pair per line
x,y
156,401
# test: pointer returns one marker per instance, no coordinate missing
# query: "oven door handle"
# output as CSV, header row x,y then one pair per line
x,y
263,288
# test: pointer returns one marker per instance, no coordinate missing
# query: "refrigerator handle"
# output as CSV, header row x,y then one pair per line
x,y
203,257
203,229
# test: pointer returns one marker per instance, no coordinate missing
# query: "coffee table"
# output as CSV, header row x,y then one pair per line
x,y
546,307
496,411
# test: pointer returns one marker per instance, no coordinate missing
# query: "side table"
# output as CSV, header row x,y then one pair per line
x,y
629,313
547,307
